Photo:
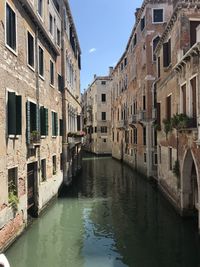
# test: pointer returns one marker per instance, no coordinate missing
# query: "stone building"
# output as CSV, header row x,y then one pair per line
x,y
177,89
133,114
96,103
39,105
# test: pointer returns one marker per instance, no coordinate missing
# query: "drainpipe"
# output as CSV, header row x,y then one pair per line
x,y
37,118
64,108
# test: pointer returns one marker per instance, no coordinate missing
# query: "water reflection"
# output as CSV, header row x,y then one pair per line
x,y
110,217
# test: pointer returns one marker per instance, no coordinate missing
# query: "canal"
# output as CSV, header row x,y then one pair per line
x,y
109,217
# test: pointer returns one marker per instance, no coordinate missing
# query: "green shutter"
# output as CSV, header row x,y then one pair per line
x,y
53,123
18,115
37,118
11,113
56,124
42,123
46,121
28,124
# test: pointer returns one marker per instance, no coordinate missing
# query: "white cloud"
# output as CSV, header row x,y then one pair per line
x,y
92,50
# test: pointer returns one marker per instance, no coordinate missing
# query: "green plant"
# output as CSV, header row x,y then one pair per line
x,y
13,199
179,121
35,135
176,172
156,126
167,126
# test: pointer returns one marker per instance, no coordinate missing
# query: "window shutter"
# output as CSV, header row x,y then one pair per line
x,y
42,121
165,55
46,121
11,113
18,115
28,125
56,124
37,118
169,51
53,123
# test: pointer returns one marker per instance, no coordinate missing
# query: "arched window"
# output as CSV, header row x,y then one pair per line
x,y
155,43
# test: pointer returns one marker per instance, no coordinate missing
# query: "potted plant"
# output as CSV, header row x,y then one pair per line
x,y
35,137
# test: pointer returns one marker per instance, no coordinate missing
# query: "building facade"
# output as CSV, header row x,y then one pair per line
x,y
133,136
177,90
96,102
39,54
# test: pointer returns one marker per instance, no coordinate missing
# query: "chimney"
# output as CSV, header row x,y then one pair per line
x,y
136,13
110,70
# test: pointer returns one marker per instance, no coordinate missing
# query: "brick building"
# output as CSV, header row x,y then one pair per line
x,y
177,90
133,78
39,70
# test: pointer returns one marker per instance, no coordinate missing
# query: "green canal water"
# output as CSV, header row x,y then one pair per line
x,y
109,217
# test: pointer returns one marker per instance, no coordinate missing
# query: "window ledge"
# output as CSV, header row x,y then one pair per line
x,y
54,136
11,50
31,68
13,136
168,67
41,77
53,86
43,136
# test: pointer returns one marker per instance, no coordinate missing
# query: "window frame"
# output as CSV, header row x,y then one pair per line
x,y
15,52
42,77
40,15
32,68
158,8
50,80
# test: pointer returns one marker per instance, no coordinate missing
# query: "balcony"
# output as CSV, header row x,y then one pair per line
x,y
34,140
133,119
120,124
142,116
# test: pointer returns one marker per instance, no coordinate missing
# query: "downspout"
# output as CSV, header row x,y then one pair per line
x,y
64,108
37,117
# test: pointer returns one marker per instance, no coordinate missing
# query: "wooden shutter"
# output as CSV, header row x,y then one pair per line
x,y
61,127
56,124
18,115
42,121
169,52
165,55
28,124
37,109
46,122
78,123
11,113
53,123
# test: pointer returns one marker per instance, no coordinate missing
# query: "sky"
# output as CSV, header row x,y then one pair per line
x,y
103,28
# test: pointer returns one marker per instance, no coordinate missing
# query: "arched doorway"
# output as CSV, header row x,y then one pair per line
x,y
189,185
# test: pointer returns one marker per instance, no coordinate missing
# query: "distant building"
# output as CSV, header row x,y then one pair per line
x,y
39,106
96,103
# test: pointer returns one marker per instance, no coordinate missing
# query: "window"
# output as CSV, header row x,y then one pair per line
x,y
117,136
40,7
170,159
61,127
113,136
95,129
50,24
158,15
41,61
142,24
155,159
32,127
10,28
58,37
103,97
44,121
43,170
14,114
103,82
59,82
103,116
135,136
158,115
104,140
168,107
31,56
104,129
145,157
54,164
51,73
61,161
193,86
158,67
144,102
160,155
78,122
12,181
193,32
155,43
144,136
167,53
183,96
135,39
54,117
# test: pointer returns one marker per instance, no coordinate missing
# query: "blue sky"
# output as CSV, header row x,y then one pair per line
x,y
103,28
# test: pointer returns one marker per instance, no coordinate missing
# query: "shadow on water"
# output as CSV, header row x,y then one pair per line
x,y
109,217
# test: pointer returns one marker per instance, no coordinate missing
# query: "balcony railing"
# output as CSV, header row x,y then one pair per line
x,y
142,115
133,119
